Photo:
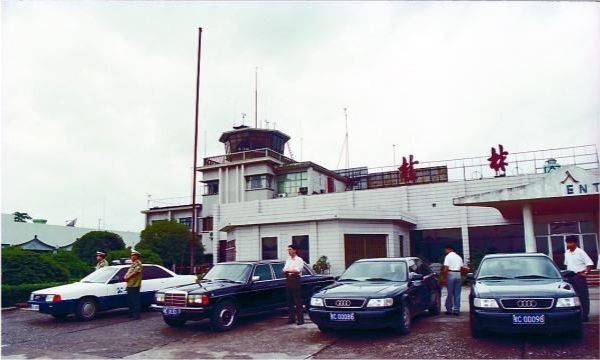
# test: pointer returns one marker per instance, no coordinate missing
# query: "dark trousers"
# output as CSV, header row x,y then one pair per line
x,y
134,301
581,288
294,298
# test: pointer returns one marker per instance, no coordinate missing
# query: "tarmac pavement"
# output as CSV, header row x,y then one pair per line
x,y
267,337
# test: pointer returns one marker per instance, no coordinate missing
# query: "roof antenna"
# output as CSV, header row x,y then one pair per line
x,y
347,144
256,97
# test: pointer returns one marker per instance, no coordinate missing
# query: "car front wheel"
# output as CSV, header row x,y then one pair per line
x,y
403,327
86,309
224,316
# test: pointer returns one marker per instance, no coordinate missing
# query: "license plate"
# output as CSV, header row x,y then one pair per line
x,y
528,319
35,307
171,311
346,316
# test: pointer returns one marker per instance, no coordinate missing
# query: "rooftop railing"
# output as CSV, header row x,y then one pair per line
x,y
518,163
246,155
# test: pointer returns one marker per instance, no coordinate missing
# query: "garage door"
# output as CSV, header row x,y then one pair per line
x,y
363,246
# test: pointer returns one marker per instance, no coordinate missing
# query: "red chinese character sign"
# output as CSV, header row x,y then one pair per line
x,y
407,170
497,160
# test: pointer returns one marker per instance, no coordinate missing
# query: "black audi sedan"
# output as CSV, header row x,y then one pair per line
x,y
233,289
377,293
522,293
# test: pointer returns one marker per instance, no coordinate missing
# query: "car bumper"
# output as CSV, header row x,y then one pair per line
x,y
363,319
185,313
54,308
498,321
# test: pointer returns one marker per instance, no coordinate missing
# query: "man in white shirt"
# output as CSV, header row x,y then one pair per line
x,y
580,263
452,266
292,270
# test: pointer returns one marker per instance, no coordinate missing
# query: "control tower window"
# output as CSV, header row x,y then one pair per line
x,y
255,182
211,187
291,183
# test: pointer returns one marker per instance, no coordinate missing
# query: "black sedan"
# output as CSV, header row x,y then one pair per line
x,y
233,289
522,293
377,293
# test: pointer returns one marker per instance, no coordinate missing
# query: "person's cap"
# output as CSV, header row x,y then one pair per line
x,y
100,253
134,252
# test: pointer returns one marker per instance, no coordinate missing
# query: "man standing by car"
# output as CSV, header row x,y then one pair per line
x,y
293,270
134,283
452,266
579,262
100,260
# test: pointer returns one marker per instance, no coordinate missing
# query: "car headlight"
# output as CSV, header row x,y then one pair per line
x,y
316,301
485,303
198,299
159,298
53,298
568,302
380,302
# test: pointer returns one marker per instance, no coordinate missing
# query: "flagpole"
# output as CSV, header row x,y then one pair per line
x,y
194,215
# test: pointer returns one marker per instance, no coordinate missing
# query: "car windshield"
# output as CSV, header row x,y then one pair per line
x,y
101,275
532,267
230,272
375,271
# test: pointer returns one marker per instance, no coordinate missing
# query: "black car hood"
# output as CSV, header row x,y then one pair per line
x,y
363,288
204,287
515,287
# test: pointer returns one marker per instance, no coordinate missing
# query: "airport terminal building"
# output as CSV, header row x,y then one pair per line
x,y
256,201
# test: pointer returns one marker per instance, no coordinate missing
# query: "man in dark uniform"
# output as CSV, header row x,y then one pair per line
x,y
100,260
134,283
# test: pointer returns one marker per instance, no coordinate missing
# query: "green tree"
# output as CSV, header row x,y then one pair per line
x,y
27,267
21,217
86,246
76,267
170,240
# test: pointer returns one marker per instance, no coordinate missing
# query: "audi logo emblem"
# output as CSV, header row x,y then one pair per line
x,y
342,303
526,303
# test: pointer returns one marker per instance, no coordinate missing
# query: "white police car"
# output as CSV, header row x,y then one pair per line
x,y
104,289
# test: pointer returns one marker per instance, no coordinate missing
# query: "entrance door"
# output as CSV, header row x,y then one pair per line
x,y
364,246
589,244
557,249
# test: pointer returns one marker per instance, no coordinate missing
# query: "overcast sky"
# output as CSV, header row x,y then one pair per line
x,y
98,97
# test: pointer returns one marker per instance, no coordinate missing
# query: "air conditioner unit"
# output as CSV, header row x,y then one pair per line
x,y
282,195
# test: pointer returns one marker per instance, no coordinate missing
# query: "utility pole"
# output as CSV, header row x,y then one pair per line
x,y
194,215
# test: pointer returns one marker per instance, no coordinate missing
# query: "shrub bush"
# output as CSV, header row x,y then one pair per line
x,y
13,294
26,267
322,265
76,267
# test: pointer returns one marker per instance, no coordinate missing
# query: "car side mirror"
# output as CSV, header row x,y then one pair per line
x,y
255,278
114,280
567,273
470,276
416,277
336,278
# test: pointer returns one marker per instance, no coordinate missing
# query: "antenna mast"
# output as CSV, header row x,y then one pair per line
x,y
256,97
347,145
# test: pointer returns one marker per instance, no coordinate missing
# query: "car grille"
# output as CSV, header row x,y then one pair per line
x,y
345,303
527,303
176,298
